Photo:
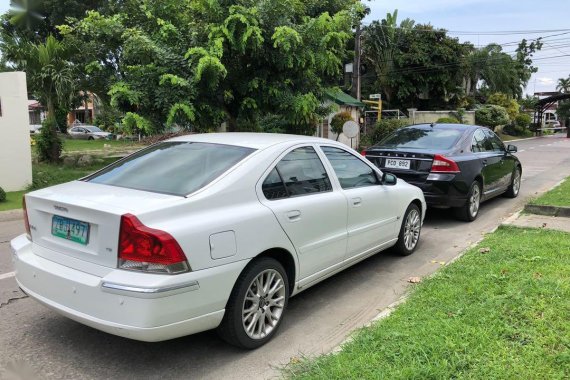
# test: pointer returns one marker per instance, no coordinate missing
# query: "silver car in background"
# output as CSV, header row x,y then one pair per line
x,y
88,132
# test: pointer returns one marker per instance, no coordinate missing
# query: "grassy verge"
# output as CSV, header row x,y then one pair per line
x,y
559,196
501,314
70,145
45,175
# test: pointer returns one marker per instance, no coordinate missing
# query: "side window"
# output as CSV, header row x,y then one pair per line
x,y
351,172
74,129
303,172
481,142
496,142
273,187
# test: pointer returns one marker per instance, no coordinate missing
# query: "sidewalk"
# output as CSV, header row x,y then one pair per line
x,y
539,221
6,216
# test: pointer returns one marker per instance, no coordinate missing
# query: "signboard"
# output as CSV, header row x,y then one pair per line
x,y
350,129
375,96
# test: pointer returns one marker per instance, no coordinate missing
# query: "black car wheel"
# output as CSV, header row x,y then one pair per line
x,y
469,211
514,188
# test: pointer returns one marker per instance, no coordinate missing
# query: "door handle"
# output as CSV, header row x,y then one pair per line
x,y
356,201
294,215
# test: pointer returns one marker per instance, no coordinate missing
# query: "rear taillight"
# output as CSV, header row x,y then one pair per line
x,y
26,220
363,153
443,164
146,249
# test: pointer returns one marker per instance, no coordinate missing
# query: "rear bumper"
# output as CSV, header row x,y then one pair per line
x,y
444,191
128,304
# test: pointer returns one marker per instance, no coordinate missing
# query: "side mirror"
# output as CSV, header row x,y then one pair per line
x,y
511,148
389,179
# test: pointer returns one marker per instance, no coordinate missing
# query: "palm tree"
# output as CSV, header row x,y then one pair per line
x,y
51,79
563,85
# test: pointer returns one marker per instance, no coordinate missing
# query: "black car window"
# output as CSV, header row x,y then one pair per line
x,y
173,167
303,172
273,186
351,171
496,142
422,138
481,142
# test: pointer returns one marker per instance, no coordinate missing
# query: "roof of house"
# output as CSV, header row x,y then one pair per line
x,y
344,99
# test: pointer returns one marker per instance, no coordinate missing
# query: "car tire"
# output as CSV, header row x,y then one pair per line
x,y
91,138
246,298
410,230
469,211
514,189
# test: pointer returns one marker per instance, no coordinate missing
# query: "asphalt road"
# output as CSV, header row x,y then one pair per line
x,y
38,341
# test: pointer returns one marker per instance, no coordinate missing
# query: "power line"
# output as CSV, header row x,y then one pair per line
x,y
473,32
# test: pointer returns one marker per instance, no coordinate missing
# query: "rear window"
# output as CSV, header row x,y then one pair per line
x,y
177,168
422,138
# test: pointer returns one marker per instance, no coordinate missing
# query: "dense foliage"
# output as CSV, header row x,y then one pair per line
x,y
337,122
491,116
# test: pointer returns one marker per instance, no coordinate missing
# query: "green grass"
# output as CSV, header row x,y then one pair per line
x,y
45,175
70,145
13,200
497,315
559,196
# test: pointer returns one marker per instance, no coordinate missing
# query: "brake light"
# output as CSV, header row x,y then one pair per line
x,y
26,220
146,249
363,153
443,164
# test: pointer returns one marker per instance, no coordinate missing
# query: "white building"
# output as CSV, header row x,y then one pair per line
x,y
15,150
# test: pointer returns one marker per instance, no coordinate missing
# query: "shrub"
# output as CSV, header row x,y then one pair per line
x,y
447,120
491,116
383,128
520,126
338,121
48,144
2,195
510,105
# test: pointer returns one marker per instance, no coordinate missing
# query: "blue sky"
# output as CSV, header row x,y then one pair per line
x,y
490,16
485,16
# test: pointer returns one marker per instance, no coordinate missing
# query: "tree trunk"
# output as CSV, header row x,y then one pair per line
x,y
232,123
87,118
53,150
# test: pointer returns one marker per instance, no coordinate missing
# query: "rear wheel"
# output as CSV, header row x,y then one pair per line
x,y
514,188
91,138
469,211
410,231
257,304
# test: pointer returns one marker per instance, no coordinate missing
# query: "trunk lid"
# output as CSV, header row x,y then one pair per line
x,y
99,207
420,163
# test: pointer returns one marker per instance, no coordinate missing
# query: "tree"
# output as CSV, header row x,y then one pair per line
x,y
52,80
563,85
563,112
491,116
503,100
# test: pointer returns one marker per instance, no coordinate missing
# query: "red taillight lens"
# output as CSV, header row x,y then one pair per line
x,y
443,164
26,220
363,153
149,250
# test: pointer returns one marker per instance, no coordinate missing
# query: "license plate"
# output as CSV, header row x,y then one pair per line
x,y
70,229
397,164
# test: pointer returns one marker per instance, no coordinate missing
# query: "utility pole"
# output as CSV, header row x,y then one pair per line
x,y
356,64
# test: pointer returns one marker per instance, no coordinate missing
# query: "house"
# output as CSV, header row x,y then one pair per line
x,y
83,114
344,103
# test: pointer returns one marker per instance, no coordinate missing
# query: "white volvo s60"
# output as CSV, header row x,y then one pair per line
x,y
209,231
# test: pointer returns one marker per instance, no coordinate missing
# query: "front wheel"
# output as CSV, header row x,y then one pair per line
x,y
257,304
410,231
514,188
469,211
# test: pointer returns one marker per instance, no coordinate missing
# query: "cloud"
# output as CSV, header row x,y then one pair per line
x,y
546,81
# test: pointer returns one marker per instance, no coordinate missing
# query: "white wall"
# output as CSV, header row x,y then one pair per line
x,y
15,151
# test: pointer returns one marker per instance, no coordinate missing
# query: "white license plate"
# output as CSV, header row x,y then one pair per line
x,y
397,164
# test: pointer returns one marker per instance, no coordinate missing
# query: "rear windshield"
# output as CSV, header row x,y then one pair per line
x,y
422,138
177,168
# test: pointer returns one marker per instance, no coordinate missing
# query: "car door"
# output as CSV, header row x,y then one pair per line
x,y
313,215
490,162
507,163
372,208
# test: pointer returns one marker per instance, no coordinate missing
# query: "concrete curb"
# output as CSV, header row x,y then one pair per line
x,y
548,210
11,215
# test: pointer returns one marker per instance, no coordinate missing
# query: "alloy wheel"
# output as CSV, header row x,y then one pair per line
x,y
263,304
474,201
516,182
412,229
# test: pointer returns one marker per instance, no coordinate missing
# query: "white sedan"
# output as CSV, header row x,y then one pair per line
x,y
209,231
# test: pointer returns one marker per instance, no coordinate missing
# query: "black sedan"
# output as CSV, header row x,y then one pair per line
x,y
455,165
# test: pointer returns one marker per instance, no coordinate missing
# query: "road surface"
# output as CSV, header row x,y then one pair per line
x,y
35,339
